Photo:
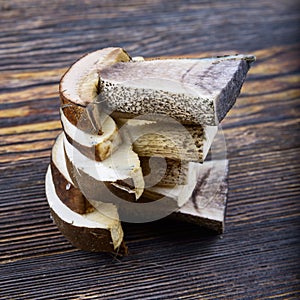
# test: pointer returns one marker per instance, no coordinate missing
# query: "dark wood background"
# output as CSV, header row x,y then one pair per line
x,y
258,255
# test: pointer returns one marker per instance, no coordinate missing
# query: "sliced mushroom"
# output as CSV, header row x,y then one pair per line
x,y
179,193
95,165
200,91
171,140
79,87
119,175
163,137
207,205
64,186
92,231
98,147
163,171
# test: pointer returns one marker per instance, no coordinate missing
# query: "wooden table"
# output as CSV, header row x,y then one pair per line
x,y
258,255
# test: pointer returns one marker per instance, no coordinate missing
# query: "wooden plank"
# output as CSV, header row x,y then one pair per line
x,y
225,28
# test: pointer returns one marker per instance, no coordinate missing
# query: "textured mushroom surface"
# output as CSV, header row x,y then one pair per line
x,y
200,91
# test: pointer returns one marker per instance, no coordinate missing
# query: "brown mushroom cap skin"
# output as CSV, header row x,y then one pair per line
x,y
68,194
88,239
76,114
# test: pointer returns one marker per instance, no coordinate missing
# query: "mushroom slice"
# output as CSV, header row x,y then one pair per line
x,y
93,231
98,147
162,136
64,186
207,205
172,140
163,171
198,91
118,176
179,193
79,87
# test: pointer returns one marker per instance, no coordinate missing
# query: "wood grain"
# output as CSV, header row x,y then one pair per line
x,y
258,255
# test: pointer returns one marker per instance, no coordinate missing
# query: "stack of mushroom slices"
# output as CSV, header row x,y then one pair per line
x,y
135,137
